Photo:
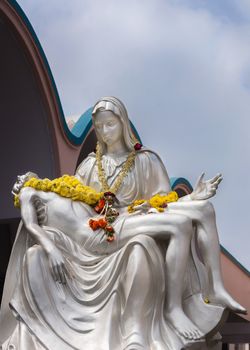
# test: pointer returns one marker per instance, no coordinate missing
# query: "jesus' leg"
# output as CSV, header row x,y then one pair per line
x,y
178,231
176,261
202,213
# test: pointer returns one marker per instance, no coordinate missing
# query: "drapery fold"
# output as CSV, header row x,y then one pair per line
x,y
97,300
115,294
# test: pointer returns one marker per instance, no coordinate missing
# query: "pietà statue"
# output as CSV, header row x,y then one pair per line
x,y
107,259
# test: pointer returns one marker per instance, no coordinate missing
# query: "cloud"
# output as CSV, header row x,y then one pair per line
x,y
181,68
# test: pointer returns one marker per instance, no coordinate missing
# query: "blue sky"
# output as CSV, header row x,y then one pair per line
x,y
182,68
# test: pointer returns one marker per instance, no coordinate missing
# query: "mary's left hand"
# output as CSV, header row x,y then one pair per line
x,y
206,189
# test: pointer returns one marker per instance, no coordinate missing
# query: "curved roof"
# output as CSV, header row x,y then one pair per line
x,y
34,135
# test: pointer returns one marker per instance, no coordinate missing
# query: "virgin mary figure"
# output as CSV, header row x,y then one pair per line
x,y
127,278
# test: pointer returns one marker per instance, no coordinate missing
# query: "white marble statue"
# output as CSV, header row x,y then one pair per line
x,y
142,286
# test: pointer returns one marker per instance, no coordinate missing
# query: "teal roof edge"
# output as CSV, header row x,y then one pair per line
x,y
174,181
83,125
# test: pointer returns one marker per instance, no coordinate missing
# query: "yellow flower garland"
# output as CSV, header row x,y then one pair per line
x,y
122,174
70,187
65,186
158,201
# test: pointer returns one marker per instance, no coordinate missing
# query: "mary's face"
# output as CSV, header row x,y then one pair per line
x,y
109,127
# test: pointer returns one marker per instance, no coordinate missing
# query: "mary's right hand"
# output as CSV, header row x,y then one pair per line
x,y
206,189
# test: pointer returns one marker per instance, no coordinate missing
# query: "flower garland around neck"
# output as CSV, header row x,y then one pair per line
x,y
106,205
122,174
65,186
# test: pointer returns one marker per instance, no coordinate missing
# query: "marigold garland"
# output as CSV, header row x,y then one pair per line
x,y
122,174
65,186
16,201
158,201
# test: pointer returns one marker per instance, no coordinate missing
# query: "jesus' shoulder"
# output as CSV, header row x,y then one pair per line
x,y
50,209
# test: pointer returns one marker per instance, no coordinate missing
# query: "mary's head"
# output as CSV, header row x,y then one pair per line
x,y
111,123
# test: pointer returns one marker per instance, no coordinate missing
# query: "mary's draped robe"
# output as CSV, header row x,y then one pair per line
x,y
115,294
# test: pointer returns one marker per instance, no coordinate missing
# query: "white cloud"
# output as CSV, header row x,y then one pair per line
x,y
183,73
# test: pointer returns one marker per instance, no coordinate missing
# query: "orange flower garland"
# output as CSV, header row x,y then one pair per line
x,y
105,207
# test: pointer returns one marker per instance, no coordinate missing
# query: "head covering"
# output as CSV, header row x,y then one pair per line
x,y
114,105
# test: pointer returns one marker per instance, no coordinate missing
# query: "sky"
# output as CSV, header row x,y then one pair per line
x,y
182,68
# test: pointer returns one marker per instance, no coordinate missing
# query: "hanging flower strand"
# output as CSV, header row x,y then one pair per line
x,y
105,206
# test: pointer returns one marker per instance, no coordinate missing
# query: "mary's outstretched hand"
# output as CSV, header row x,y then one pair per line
x,y
206,189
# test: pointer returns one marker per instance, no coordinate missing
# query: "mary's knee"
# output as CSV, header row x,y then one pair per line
x,y
137,266
137,253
